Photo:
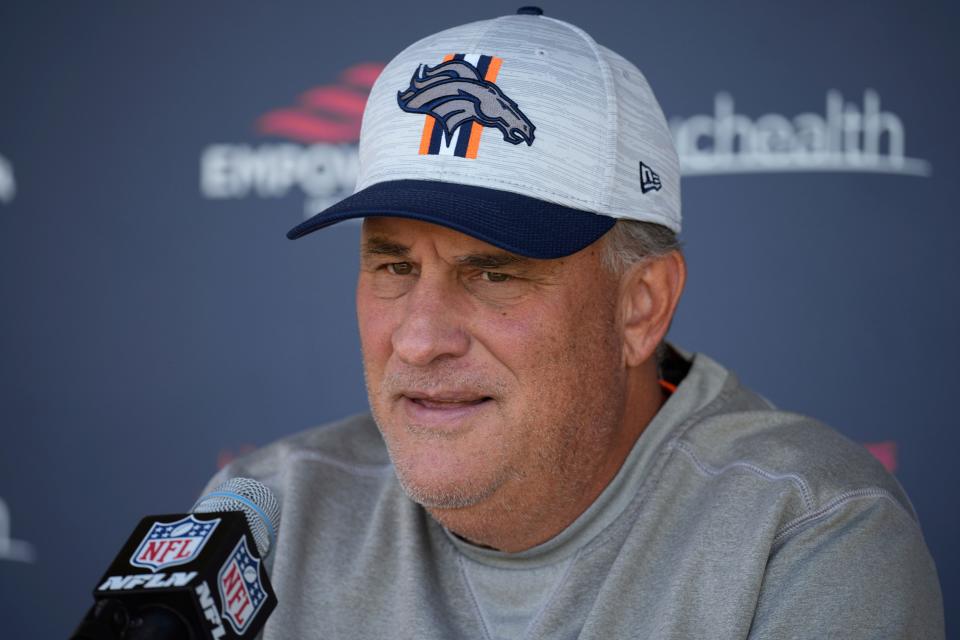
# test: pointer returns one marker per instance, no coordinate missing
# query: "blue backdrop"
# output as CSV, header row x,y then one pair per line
x,y
154,320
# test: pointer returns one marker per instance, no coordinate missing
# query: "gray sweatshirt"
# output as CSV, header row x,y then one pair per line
x,y
729,519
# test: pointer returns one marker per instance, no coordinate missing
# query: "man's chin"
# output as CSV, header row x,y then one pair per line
x,y
434,494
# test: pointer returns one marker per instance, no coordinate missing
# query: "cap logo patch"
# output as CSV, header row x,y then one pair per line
x,y
649,180
459,98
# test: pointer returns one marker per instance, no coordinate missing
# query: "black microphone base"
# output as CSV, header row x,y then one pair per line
x,y
110,620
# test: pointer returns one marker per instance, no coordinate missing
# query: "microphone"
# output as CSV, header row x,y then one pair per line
x,y
194,576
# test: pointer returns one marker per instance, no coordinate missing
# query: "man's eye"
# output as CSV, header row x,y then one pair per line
x,y
400,268
494,276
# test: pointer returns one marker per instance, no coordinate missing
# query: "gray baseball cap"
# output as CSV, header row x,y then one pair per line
x,y
520,131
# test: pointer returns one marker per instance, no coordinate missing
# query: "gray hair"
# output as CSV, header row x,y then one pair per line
x,y
630,242
633,241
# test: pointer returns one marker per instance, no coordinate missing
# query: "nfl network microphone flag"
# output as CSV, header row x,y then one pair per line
x,y
194,576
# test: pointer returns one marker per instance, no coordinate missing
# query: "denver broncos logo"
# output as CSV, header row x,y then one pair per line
x,y
455,94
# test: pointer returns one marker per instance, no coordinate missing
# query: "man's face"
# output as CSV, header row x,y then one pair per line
x,y
489,375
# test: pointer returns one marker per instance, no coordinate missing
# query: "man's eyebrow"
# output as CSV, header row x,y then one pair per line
x,y
380,246
496,260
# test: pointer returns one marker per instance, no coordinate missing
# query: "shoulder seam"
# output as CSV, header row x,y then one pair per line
x,y
663,454
834,504
805,493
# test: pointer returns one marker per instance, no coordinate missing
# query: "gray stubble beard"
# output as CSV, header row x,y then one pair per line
x,y
457,495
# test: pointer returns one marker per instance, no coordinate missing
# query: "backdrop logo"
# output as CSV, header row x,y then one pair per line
x,y
317,156
8,188
10,549
885,452
848,137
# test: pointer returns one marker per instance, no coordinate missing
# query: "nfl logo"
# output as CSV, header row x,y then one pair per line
x,y
241,592
171,543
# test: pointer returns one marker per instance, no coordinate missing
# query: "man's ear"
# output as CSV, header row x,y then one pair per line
x,y
649,292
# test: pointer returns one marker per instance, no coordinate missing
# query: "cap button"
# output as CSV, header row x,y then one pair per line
x,y
530,11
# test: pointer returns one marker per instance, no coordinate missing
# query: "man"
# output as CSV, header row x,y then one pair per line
x,y
540,463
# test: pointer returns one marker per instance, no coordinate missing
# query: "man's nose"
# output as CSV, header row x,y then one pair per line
x,y
432,325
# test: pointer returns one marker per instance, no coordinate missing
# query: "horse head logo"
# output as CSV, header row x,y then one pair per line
x,y
454,93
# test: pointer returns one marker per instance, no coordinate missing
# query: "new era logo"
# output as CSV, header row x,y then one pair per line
x,y
649,180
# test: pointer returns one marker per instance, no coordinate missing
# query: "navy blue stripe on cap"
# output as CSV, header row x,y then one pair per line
x,y
516,223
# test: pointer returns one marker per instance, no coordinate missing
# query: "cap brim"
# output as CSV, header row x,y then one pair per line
x,y
516,223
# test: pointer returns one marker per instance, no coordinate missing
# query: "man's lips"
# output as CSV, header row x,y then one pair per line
x,y
443,410
445,400
447,404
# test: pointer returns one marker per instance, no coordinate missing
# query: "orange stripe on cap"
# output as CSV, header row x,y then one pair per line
x,y
476,129
427,133
474,144
428,123
493,69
